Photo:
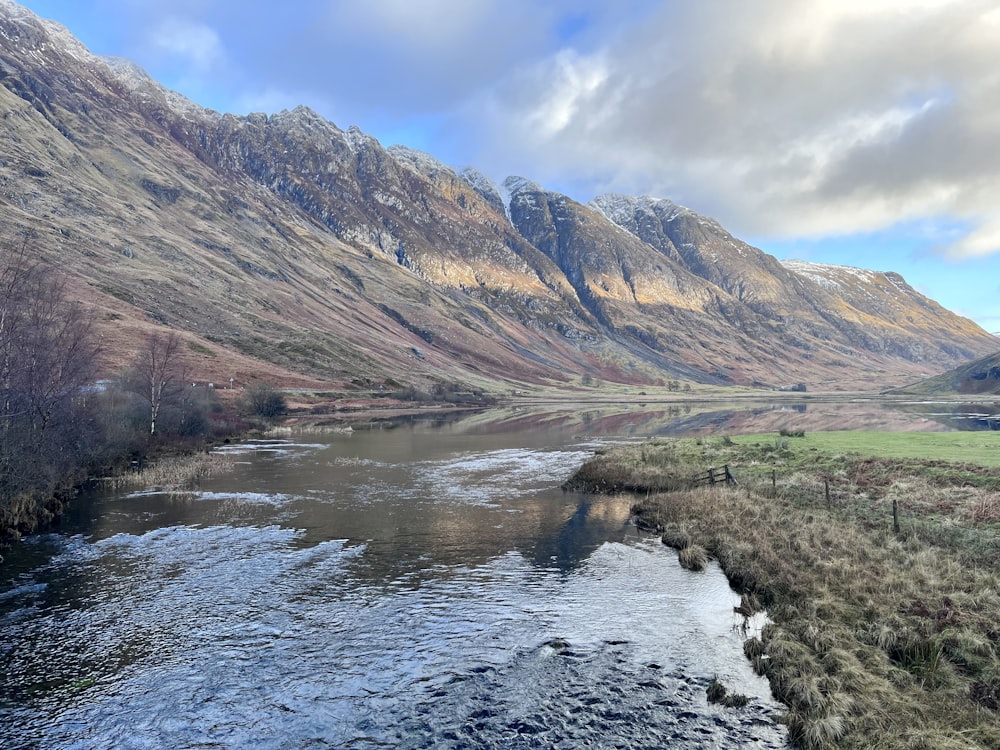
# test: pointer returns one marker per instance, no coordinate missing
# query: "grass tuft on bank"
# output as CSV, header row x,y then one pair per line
x,y
884,628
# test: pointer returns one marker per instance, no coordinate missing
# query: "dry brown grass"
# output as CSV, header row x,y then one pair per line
x,y
174,474
877,639
693,557
23,513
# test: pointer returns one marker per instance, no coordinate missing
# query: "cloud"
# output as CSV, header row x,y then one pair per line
x,y
809,118
381,61
395,58
196,45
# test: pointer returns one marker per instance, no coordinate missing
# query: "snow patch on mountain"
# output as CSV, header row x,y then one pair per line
x,y
142,86
419,161
514,185
623,209
132,76
478,181
486,188
61,37
357,139
830,276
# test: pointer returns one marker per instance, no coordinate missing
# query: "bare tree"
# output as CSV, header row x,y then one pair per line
x,y
48,357
160,373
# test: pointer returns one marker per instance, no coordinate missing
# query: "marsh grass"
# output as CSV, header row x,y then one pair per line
x,y
693,557
25,511
655,467
175,475
719,693
876,639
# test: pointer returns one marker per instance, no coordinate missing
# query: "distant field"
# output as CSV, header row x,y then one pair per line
x,y
982,448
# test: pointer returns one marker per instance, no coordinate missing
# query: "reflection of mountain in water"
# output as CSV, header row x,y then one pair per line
x,y
963,417
699,419
588,528
424,497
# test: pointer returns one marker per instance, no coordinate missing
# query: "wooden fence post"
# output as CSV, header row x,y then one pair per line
x,y
895,516
826,490
774,483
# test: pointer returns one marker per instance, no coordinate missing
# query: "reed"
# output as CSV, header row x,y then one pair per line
x,y
173,474
719,693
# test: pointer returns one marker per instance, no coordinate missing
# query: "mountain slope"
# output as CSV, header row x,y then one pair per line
x,y
978,378
292,249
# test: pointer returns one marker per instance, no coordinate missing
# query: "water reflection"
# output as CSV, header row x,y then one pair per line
x,y
964,417
694,419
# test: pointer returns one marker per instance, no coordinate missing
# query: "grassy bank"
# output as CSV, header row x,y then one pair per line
x,y
885,629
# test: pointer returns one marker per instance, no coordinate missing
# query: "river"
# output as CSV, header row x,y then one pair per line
x,y
426,586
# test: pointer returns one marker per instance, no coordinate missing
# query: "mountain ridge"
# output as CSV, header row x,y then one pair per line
x,y
978,378
314,252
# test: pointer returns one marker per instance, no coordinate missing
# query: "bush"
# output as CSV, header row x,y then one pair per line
x,y
262,400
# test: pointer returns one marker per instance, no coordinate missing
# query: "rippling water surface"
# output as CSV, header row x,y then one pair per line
x,y
409,588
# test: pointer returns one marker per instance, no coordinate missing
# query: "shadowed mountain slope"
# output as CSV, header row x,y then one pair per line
x,y
978,378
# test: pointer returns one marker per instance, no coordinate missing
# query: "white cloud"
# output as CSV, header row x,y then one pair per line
x,y
197,45
575,81
826,116
983,241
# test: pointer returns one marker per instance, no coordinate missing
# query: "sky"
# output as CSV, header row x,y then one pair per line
x,y
856,132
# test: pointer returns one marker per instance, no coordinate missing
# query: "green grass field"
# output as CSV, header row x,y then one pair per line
x,y
981,448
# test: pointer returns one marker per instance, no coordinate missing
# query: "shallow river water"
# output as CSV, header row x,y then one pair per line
x,y
419,587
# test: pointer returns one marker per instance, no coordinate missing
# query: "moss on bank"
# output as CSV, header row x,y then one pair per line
x,y
878,638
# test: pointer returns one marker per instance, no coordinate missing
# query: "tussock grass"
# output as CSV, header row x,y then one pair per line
x,y
877,638
693,557
174,474
719,693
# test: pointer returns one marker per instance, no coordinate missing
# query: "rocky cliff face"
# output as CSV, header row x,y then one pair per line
x,y
284,245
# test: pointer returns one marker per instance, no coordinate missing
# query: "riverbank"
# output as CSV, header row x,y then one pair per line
x,y
883,625
610,409
166,468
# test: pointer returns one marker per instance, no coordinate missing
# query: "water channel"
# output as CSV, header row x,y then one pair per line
x,y
425,586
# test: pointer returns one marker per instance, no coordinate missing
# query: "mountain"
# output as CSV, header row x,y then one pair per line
x,y
284,247
978,378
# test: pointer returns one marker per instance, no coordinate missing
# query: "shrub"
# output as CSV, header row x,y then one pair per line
x,y
262,400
